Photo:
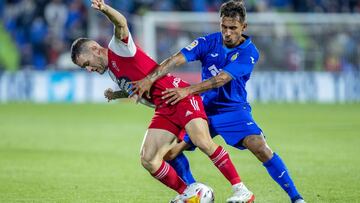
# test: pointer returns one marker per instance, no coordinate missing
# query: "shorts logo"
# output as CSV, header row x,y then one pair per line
x,y
192,45
195,104
188,113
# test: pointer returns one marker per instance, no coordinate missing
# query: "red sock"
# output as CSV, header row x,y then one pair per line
x,y
222,161
168,176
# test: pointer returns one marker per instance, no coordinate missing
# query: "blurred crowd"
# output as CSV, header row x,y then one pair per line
x,y
41,31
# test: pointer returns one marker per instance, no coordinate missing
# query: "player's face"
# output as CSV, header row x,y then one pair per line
x,y
93,60
231,29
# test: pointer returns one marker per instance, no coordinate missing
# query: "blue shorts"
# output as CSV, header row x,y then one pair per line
x,y
232,126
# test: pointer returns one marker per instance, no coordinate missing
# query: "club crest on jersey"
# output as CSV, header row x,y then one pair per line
x,y
113,63
234,57
192,45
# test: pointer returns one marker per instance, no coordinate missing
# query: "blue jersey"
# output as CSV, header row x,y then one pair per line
x,y
238,62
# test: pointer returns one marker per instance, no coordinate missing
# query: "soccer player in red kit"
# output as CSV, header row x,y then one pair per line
x,y
126,62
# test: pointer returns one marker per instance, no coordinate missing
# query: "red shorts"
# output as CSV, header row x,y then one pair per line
x,y
173,118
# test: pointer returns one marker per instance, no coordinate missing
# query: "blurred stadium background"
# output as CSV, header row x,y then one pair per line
x,y
305,90
310,50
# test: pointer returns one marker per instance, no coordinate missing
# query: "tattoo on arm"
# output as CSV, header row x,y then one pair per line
x,y
214,82
121,94
167,66
118,20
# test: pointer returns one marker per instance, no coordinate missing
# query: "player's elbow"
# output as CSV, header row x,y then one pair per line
x,y
222,79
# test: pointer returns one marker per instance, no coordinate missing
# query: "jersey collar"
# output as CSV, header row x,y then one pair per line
x,y
246,43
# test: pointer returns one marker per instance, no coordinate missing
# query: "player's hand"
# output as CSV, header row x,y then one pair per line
x,y
98,4
141,87
109,94
174,95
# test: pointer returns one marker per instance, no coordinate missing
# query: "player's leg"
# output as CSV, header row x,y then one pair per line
x,y
200,136
156,144
177,159
273,164
190,114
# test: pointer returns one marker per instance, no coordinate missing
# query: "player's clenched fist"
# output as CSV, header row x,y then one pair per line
x,y
109,94
98,4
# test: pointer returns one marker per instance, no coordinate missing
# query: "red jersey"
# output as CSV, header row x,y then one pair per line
x,y
127,62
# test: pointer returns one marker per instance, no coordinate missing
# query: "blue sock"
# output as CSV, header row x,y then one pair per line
x,y
278,171
182,168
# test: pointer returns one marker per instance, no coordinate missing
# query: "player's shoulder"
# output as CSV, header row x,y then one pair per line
x,y
213,36
123,47
211,40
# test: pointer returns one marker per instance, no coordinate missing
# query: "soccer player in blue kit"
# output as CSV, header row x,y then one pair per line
x,y
228,58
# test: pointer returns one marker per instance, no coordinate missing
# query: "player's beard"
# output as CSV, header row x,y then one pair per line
x,y
103,65
232,42
228,42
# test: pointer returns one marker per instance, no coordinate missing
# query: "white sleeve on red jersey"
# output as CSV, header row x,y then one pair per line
x,y
122,48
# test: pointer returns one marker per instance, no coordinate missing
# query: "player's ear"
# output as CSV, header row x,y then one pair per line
x,y
244,27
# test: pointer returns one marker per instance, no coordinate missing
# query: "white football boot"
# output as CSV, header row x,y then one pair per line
x,y
241,194
300,201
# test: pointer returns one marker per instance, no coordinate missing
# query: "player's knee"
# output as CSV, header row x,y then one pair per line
x,y
263,153
254,143
206,145
147,163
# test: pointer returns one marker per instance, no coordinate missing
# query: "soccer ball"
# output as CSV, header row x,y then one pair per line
x,y
199,193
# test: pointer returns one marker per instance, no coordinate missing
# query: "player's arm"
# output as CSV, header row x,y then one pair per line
x,y
112,95
119,21
176,150
167,66
121,94
176,94
239,67
143,86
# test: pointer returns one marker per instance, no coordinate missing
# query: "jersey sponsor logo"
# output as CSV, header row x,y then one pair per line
x,y
192,45
234,57
252,60
124,83
113,63
195,104
188,113
214,70
249,123
214,55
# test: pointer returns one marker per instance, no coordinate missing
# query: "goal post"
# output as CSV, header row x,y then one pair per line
x,y
287,41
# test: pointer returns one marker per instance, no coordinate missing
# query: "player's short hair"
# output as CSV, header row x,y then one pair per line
x,y
233,9
77,47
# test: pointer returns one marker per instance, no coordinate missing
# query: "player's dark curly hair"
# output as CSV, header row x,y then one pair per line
x,y
233,9
77,47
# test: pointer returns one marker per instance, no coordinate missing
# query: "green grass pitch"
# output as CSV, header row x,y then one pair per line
x,y
90,153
